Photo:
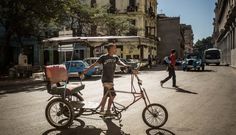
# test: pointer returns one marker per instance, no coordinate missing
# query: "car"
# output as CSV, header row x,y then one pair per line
x,y
130,62
212,56
75,67
133,62
99,67
166,61
91,60
179,62
193,61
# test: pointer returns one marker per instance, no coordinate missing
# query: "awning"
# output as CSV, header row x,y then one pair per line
x,y
78,39
62,40
70,40
107,38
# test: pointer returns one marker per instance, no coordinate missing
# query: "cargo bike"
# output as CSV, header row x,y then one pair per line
x,y
67,103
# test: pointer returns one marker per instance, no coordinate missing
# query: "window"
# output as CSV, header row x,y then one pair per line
x,y
112,8
146,31
128,56
132,6
136,56
133,22
132,3
93,3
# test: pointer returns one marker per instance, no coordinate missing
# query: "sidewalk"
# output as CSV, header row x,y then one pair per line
x,y
18,82
6,82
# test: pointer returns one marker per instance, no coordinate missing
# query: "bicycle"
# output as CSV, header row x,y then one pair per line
x,y
70,104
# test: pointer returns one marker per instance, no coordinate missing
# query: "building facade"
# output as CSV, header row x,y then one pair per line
x,y
28,44
171,36
142,14
188,38
224,34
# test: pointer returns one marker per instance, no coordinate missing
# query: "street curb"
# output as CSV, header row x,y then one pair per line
x,y
14,83
233,67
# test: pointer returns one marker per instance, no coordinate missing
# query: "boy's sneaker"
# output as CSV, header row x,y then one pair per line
x,y
109,113
102,112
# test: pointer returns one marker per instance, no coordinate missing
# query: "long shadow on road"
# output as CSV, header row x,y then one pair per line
x,y
159,131
206,70
23,88
79,128
178,89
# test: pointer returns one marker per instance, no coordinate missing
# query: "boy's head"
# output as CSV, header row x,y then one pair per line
x,y
111,48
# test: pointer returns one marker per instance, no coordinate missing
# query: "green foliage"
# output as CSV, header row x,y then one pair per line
x,y
203,44
37,17
84,16
30,17
118,25
21,18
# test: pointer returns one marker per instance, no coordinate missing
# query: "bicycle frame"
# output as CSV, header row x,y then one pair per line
x,y
142,94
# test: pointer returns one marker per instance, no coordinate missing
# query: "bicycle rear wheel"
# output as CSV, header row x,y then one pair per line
x,y
59,113
155,115
76,102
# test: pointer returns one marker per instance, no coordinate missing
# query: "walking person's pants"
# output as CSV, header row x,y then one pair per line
x,y
171,74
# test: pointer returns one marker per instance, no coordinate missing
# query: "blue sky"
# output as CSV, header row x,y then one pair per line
x,y
198,13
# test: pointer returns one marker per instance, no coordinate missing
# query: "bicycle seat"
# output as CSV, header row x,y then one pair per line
x,y
55,74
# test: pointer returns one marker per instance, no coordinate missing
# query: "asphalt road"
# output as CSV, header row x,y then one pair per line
x,y
204,104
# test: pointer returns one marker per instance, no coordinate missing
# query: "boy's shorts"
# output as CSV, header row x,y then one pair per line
x,y
109,87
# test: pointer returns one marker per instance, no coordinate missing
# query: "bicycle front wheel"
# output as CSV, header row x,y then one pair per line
x,y
155,115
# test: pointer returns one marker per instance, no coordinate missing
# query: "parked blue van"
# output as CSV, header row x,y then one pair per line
x,y
75,67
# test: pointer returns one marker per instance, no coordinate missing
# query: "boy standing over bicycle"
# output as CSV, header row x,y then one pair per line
x,y
109,62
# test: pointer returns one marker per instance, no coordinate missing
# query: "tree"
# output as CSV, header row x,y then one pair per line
x,y
83,17
33,17
203,44
27,17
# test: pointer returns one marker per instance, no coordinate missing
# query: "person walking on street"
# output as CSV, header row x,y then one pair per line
x,y
109,62
171,70
149,61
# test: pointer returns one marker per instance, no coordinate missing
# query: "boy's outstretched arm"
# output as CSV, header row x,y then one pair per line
x,y
122,63
90,67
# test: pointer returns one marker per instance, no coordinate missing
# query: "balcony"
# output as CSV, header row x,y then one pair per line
x,y
150,12
230,17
